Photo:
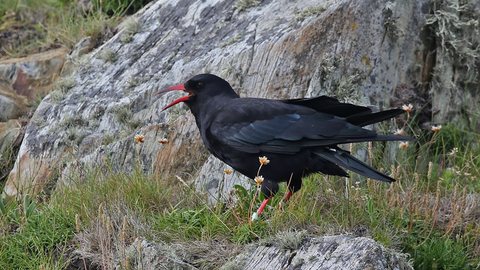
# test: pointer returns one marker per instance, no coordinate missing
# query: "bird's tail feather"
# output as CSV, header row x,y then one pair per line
x,y
392,138
347,161
362,120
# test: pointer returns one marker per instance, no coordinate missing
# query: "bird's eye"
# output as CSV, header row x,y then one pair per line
x,y
199,85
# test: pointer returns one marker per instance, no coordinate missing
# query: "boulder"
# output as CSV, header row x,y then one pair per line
x,y
11,136
291,251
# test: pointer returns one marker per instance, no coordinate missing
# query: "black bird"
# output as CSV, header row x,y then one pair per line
x,y
298,136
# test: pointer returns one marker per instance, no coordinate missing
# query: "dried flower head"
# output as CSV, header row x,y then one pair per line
x,y
429,172
77,223
453,151
227,171
258,179
403,145
399,132
139,138
163,141
436,128
264,160
407,108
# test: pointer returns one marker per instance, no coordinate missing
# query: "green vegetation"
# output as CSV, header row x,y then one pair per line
x,y
308,12
120,6
34,235
61,88
108,55
429,213
132,26
242,5
46,24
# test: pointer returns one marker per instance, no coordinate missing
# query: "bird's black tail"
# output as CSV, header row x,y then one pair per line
x,y
362,120
347,161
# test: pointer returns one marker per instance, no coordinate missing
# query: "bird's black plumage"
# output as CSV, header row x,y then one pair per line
x,y
298,136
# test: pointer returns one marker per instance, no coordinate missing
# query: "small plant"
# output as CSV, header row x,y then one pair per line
x,y
62,88
122,113
28,206
242,5
132,26
75,136
108,55
134,81
65,84
230,41
70,121
108,139
290,239
308,12
120,6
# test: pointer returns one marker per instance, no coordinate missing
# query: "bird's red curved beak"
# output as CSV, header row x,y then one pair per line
x,y
173,88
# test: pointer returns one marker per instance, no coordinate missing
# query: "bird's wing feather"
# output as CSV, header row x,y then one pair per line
x,y
282,128
330,105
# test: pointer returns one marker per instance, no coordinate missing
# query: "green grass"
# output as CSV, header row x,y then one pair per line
x,y
429,213
34,237
50,24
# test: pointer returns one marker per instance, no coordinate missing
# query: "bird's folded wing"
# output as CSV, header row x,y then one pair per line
x,y
288,133
330,105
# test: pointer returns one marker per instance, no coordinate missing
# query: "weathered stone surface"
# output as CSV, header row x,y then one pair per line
x,y
22,79
216,183
367,52
328,252
11,136
455,71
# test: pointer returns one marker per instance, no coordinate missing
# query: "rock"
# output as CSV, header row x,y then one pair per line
x,y
74,59
344,252
11,136
216,183
455,64
26,80
357,51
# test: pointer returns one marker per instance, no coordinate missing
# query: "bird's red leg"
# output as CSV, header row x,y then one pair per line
x,y
264,203
260,209
287,197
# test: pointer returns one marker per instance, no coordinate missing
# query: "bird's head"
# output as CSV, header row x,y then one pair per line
x,y
201,87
